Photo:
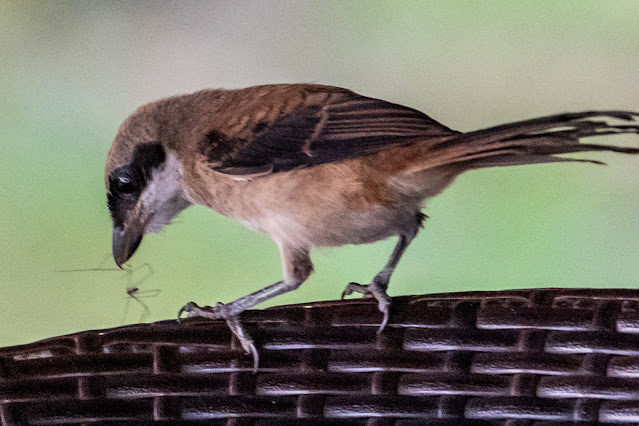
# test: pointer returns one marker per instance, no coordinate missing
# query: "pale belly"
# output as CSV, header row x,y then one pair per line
x,y
328,228
326,205
310,210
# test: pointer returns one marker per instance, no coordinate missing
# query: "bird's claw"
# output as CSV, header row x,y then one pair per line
x,y
376,290
191,309
356,288
222,311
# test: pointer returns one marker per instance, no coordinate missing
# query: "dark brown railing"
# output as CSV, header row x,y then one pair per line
x,y
520,357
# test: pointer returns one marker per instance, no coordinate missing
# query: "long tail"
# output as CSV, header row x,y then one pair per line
x,y
539,140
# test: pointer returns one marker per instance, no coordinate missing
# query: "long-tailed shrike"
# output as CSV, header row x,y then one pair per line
x,y
313,166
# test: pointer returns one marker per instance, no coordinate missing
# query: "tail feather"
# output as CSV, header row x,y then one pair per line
x,y
539,140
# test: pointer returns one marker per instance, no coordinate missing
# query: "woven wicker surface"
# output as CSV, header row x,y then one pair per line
x,y
522,357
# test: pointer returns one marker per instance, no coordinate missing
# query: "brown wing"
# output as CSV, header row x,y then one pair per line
x,y
335,129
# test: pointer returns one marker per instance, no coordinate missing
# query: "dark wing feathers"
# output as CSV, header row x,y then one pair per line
x,y
350,126
317,134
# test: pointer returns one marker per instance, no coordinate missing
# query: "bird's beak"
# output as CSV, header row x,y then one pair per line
x,y
126,240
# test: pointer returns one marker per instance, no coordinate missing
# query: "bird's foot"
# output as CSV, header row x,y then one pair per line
x,y
377,290
222,311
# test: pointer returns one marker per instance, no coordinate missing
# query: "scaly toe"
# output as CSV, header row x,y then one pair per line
x,y
233,322
362,289
221,311
383,304
190,309
377,290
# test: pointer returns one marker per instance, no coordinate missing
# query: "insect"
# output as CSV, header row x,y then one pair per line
x,y
134,281
134,293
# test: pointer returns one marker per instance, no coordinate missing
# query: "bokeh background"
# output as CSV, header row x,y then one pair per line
x,y
71,71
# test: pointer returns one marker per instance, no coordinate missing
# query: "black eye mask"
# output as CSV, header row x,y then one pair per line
x,y
127,182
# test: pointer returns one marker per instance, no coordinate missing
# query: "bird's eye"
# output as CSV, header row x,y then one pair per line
x,y
125,184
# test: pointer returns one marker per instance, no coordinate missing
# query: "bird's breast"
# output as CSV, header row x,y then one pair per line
x,y
348,202
327,205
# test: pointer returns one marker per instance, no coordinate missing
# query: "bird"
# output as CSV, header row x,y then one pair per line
x,y
313,166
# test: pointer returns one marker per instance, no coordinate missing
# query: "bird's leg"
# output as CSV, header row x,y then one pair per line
x,y
377,288
230,313
297,267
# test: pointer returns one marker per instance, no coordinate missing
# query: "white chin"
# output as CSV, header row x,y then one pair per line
x,y
154,228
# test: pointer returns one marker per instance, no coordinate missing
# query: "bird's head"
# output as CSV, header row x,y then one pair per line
x,y
144,179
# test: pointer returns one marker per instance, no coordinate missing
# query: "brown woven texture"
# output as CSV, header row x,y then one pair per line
x,y
521,357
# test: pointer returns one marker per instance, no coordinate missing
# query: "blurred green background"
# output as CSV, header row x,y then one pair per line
x,y
71,71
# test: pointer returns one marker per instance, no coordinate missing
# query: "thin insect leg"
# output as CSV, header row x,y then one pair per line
x,y
100,267
88,270
153,292
133,290
106,258
146,312
126,311
135,294
132,270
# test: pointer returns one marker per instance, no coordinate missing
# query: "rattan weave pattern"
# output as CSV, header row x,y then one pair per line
x,y
522,357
